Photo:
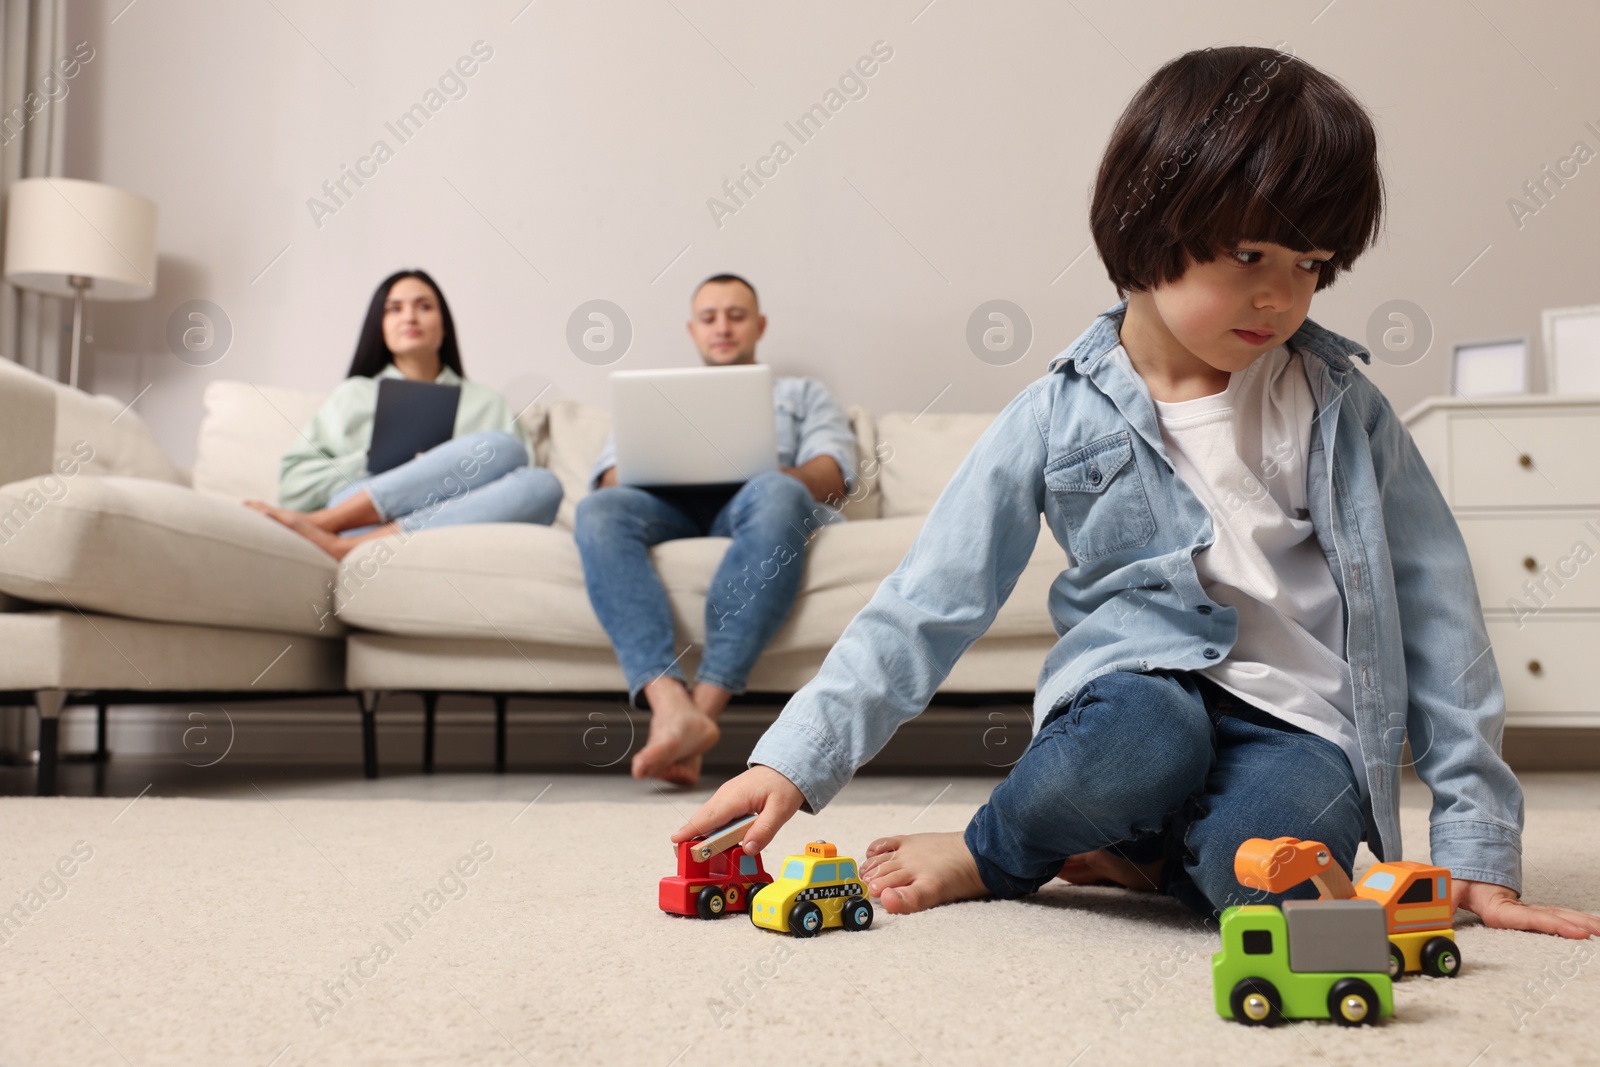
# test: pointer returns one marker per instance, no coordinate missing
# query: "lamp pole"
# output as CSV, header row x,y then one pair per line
x,y
80,285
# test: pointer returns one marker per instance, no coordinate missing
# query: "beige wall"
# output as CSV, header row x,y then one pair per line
x,y
579,164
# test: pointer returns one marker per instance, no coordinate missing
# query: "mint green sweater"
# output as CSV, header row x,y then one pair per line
x,y
332,450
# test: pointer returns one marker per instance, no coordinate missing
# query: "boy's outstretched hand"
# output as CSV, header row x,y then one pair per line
x,y
760,791
1501,908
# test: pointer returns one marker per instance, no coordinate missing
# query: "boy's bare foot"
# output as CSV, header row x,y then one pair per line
x,y
921,871
680,733
1103,867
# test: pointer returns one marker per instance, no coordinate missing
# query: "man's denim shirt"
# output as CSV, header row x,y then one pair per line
x,y
1082,447
810,423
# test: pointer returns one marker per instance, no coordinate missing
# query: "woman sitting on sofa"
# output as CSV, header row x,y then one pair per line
x,y
481,475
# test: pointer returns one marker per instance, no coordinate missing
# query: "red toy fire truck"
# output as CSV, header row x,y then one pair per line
x,y
713,877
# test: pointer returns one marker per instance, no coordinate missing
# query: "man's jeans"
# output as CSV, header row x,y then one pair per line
x,y
1165,765
770,519
480,477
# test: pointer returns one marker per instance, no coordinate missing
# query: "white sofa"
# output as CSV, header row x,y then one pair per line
x,y
122,578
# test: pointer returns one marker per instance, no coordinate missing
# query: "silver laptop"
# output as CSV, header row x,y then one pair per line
x,y
693,426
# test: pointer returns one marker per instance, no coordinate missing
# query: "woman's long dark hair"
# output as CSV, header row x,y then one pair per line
x,y
372,355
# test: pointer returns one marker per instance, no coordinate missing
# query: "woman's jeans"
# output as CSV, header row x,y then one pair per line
x,y
480,477
770,519
1165,766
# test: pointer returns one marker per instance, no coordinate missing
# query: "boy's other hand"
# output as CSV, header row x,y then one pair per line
x,y
1501,908
760,791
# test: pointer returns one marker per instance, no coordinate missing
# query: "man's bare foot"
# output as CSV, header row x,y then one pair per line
x,y
680,733
921,871
1103,867
710,699
685,772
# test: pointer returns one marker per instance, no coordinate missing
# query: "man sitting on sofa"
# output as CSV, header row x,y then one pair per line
x,y
770,518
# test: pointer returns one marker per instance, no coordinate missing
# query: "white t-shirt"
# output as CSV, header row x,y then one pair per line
x,y
1243,453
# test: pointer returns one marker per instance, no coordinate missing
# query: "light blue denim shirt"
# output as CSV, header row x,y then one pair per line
x,y
1082,446
809,423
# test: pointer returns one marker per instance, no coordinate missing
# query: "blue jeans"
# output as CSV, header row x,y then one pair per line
x,y
479,477
770,519
1165,765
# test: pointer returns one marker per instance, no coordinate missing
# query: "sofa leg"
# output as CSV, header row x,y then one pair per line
x,y
368,699
49,703
500,700
430,709
102,752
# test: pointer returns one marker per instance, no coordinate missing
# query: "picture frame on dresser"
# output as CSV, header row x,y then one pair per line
x,y
1572,350
1490,368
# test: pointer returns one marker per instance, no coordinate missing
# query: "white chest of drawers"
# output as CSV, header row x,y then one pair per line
x,y
1522,475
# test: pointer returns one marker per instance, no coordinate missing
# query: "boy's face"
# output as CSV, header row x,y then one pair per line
x,y
1247,301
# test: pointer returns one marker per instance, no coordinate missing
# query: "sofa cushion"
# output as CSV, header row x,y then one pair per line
x,y
151,550
577,437
525,583
244,433
70,650
919,454
107,436
863,501
28,425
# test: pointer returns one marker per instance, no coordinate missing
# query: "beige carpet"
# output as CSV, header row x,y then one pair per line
x,y
248,932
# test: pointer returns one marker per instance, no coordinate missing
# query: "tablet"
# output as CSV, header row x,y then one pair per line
x,y
411,418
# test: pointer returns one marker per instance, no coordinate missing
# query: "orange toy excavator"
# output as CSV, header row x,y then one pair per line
x,y
1415,897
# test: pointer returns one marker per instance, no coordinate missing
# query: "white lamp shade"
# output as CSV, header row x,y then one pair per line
x,y
59,227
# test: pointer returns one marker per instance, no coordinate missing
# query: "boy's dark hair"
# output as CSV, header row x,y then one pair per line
x,y
727,278
1235,144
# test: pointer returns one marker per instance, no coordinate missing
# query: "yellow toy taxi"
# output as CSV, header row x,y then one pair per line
x,y
813,891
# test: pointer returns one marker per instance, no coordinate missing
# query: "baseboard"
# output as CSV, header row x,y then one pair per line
x,y
578,734
540,734
1552,748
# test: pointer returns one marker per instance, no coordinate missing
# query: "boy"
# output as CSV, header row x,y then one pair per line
x,y
1266,592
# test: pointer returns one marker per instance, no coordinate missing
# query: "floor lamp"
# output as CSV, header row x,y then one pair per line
x,y
80,240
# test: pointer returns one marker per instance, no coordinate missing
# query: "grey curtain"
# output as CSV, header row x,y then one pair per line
x,y
33,39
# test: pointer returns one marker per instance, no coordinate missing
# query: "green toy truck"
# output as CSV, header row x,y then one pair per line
x,y
1313,959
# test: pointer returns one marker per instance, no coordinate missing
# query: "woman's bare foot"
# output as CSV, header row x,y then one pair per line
x,y
921,871
331,543
1103,867
351,514
680,733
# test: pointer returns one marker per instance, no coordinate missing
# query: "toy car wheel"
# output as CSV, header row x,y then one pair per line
x,y
857,913
1397,963
805,919
711,903
1255,1002
1352,1002
1441,958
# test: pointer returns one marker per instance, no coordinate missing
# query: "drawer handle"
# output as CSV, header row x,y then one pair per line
x,y
1535,667
1525,460
1529,563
